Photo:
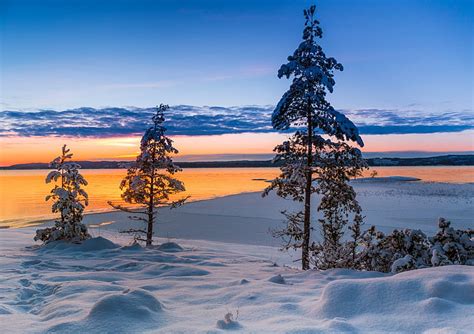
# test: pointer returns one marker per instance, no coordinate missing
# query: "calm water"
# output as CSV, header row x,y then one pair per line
x,y
22,193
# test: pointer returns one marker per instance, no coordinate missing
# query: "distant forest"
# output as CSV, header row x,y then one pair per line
x,y
445,160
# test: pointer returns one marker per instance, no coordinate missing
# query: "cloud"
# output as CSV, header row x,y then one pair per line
x,y
212,120
393,121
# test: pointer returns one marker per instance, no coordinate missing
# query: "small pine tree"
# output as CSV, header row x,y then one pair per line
x,y
149,181
305,106
336,165
69,200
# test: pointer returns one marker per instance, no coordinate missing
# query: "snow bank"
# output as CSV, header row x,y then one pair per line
x,y
89,245
387,179
170,247
428,297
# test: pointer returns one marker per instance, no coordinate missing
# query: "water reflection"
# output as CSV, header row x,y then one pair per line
x,y
22,193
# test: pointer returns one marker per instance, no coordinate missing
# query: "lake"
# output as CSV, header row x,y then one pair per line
x,y
22,192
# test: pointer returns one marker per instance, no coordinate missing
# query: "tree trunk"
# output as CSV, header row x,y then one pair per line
x,y
151,206
151,203
149,231
307,198
62,186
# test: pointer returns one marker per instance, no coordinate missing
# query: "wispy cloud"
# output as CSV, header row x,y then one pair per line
x,y
157,84
250,71
212,120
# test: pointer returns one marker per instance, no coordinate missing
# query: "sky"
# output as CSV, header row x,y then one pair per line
x,y
87,73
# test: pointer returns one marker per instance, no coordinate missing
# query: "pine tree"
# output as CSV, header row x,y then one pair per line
x,y
69,200
149,181
305,107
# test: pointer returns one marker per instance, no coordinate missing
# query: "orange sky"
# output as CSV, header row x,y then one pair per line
x,y
15,150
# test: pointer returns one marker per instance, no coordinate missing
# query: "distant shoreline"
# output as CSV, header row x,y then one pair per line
x,y
444,160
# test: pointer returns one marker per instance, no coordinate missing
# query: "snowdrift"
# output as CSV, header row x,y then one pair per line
x,y
432,296
124,312
200,287
89,245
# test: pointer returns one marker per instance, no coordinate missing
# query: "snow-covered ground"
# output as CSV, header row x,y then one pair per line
x,y
109,287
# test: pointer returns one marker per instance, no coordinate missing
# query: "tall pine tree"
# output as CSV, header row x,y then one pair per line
x,y
150,180
304,107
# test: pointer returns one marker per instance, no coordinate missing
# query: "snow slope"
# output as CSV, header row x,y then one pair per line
x,y
105,287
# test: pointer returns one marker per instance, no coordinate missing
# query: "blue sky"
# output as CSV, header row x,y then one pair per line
x,y
86,72
91,70
397,54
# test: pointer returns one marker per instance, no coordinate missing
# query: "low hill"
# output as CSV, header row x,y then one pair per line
x,y
444,160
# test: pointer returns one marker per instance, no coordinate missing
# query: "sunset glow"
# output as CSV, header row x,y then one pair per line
x,y
17,150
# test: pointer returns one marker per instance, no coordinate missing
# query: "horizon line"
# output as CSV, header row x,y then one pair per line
x,y
266,157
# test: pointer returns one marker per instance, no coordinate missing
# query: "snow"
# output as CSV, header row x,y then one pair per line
x,y
138,309
170,247
89,245
278,279
431,296
205,288
401,263
388,205
228,322
387,179
234,278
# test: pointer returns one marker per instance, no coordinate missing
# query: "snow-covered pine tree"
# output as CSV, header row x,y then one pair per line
x,y
149,181
305,107
398,251
69,200
451,246
409,249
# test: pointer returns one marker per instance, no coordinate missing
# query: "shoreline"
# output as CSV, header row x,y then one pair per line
x,y
394,182
40,221
247,218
